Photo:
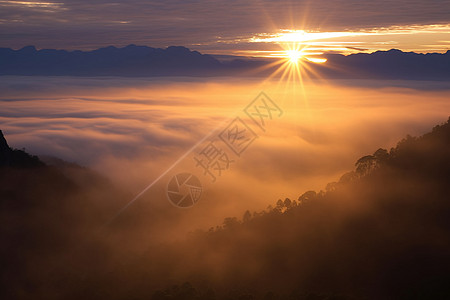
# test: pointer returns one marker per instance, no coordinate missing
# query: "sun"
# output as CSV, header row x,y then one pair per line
x,y
294,62
294,55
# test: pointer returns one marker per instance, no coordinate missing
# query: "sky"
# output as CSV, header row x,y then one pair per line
x,y
239,27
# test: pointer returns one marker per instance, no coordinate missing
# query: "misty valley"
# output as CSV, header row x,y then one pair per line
x,y
297,216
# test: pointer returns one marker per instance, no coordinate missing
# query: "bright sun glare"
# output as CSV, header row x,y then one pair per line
x,y
294,55
295,62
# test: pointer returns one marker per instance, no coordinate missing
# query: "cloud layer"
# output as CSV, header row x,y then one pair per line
x,y
132,130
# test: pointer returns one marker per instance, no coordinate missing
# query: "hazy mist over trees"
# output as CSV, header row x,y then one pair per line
x,y
380,232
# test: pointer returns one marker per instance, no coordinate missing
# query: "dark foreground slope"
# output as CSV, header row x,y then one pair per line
x,y
45,211
381,232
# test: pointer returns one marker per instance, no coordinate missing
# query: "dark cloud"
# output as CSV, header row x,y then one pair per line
x,y
90,24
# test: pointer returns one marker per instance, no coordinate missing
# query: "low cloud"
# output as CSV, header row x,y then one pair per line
x,y
133,131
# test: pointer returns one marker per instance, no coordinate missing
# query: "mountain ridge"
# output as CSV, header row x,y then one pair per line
x,y
141,61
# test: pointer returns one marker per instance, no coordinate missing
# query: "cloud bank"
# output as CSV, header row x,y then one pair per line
x,y
132,130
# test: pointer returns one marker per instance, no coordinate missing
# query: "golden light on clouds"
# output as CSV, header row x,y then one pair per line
x,y
316,60
31,4
417,38
285,36
143,125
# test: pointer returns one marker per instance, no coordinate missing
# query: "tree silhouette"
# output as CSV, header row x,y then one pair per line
x,y
307,197
287,203
247,216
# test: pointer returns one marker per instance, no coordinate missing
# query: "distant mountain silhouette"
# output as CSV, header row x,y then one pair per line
x,y
131,60
392,64
137,61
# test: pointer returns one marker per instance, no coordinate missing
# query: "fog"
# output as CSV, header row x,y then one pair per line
x,y
133,130
69,233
